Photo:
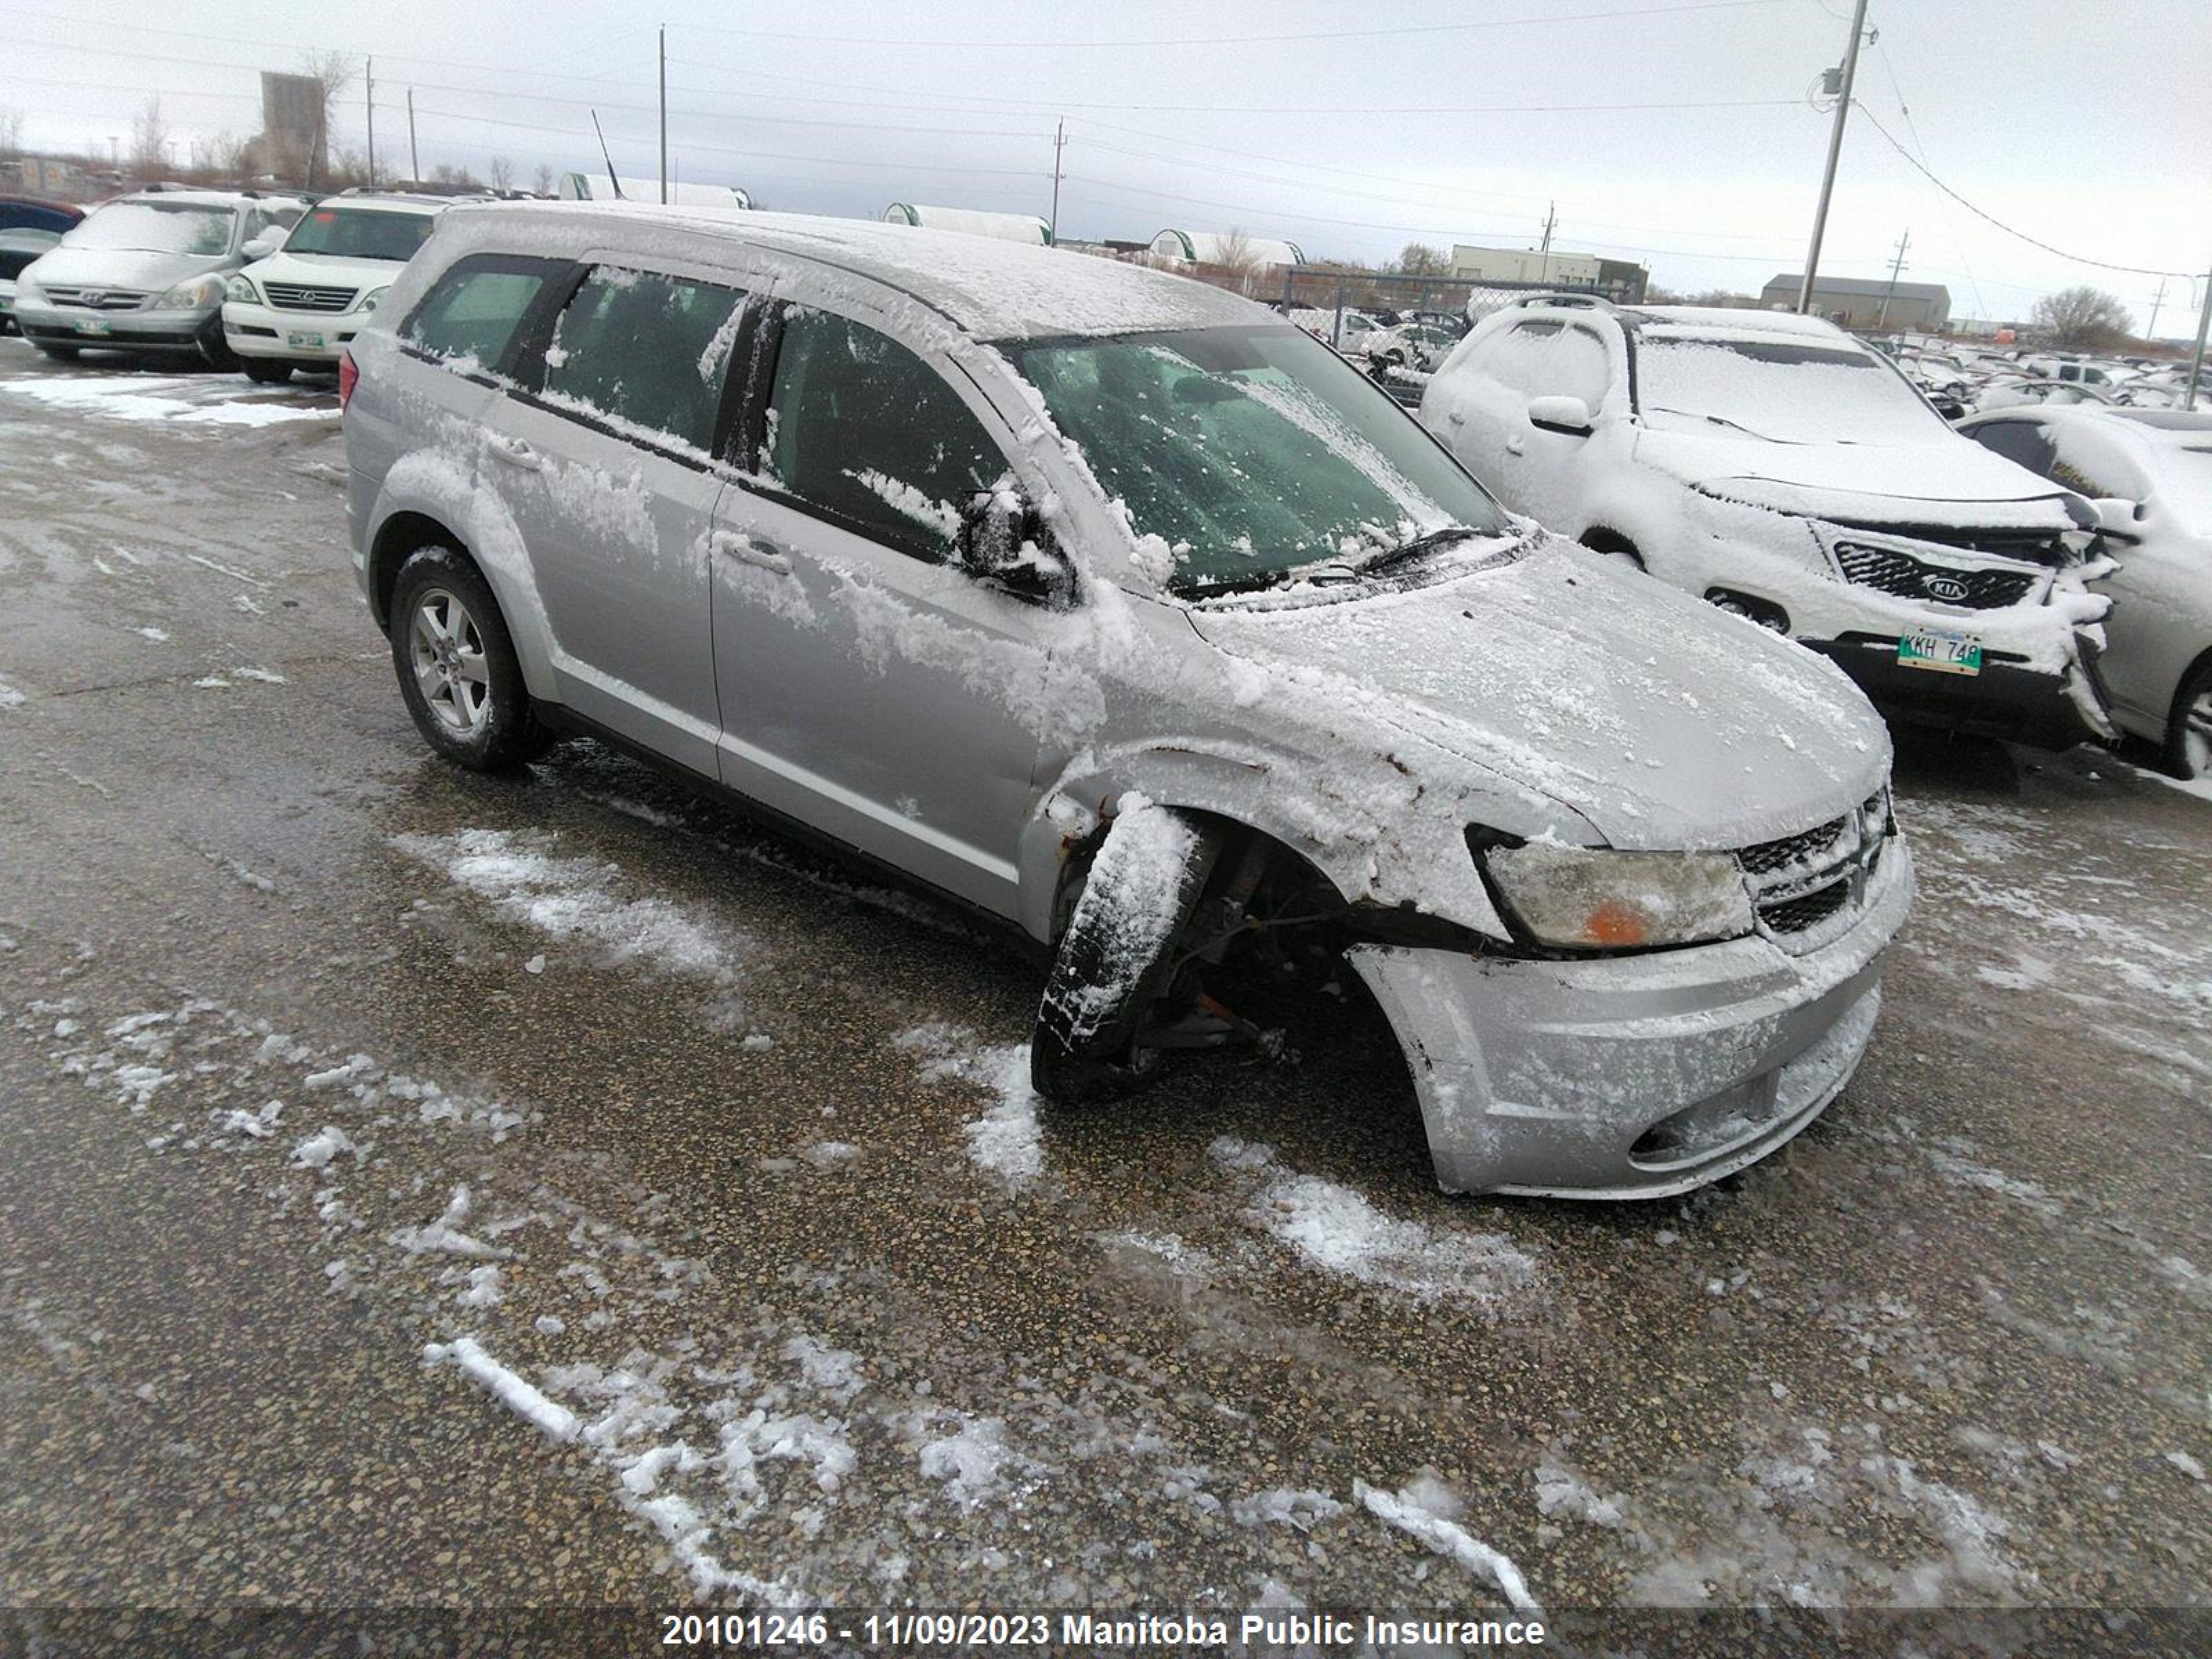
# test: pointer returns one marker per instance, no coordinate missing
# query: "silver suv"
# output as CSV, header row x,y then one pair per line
x,y
1127,613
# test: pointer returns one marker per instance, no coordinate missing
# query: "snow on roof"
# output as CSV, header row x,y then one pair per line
x,y
225,198
1006,227
1734,319
994,289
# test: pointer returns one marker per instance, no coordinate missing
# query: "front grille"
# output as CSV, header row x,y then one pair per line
x,y
296,296
1772,855
95,298
1795,915
1892,571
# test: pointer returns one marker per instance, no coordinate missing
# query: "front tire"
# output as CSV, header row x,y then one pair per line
x,y
60,354
2189,730
262,372
459,673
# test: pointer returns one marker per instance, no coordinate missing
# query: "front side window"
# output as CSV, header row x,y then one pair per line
x,y
1547,359
155,227
360,233
2022,442
650,352
1249,452
863,430
472,312
1793,392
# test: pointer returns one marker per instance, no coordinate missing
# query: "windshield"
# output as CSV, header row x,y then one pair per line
x,y
155,227
360,233
1784,390
1252,452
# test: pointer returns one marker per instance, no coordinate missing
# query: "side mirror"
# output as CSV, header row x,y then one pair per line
x,y
2118,519
1570,415
261,247
1002,540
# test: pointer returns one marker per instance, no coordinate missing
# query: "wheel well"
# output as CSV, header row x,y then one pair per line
x,y
1599,539
2181,686
403,533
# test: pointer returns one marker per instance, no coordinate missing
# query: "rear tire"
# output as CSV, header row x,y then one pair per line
x,y
1081,1054
459,673
262,372
2189,730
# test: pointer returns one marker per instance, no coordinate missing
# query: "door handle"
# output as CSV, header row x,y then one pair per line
x,y
1514,446
513,451
750,549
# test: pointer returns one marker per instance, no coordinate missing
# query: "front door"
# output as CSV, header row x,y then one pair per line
x,y
871,687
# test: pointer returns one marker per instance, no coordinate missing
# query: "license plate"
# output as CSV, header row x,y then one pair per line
x,y
1941,650
300,341
92,325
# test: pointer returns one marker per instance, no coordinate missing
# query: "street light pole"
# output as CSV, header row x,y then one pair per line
x,y
369,97
664,115
2196,363
1059,143
414,155
1835,154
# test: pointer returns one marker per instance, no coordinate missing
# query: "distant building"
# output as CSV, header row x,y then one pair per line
x,y
600,187
56,178
1005,227
1214,247
1858,302
1622,279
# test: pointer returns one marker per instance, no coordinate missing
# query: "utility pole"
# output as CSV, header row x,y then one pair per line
x,y
1058,141
1881,316
1551,222
2196,363
414,155
369,97
1835,153
664,115
2157,299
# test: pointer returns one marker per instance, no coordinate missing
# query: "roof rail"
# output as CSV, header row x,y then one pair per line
x,y
1567,297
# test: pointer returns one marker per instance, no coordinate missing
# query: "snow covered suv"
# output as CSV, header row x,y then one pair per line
x,y
1124,612
300,306
1773,464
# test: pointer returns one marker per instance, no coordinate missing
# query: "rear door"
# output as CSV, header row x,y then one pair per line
x,y
870,688
602,447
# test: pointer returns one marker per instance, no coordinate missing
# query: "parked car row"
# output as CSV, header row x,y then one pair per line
x,y
1779,468
270,282
1961,382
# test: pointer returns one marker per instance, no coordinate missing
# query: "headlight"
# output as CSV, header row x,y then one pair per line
x,y
241,290
374,298
191,296
1588,898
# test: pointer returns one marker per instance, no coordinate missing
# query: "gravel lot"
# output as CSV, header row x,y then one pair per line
x,y
339,1089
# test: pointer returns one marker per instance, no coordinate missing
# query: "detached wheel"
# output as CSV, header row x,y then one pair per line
x,y
2189,731
1116,971
262,372
458,671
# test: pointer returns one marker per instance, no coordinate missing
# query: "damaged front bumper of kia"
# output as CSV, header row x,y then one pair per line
x,y
1643,1075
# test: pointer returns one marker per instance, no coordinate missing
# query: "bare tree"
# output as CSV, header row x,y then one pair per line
x,y
543,183
502,174
1419,260
1235,253
332,73
11,133
2081,318
149,139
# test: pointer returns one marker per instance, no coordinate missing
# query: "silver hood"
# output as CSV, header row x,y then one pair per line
x,y
1661,721
121,267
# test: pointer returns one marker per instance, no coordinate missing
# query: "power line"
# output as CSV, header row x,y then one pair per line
x,y
1396,31
1980,213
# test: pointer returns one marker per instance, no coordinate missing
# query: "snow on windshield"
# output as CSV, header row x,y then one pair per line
x,y
2189,485
154,228
1250,452
1790,392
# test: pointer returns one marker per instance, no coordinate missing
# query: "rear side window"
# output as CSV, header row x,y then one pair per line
x,y
472,312
867,433
648,351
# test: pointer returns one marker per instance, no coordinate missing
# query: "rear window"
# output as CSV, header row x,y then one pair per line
x,y
471,314
648,351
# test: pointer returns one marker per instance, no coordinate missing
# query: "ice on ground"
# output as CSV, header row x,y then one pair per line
x,y
1285,1506
1561,1490
1338,1230
2188,1465
154,397
1422,1510
444,1236
973,1461
1005,1140
158,635
553,1419
575,898
319,1148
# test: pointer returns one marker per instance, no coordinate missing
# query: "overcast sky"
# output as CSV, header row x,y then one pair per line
x,y
1674,133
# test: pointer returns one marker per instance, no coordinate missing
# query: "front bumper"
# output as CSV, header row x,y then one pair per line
x,y
1632,1077
120,330
292,336
2006,700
